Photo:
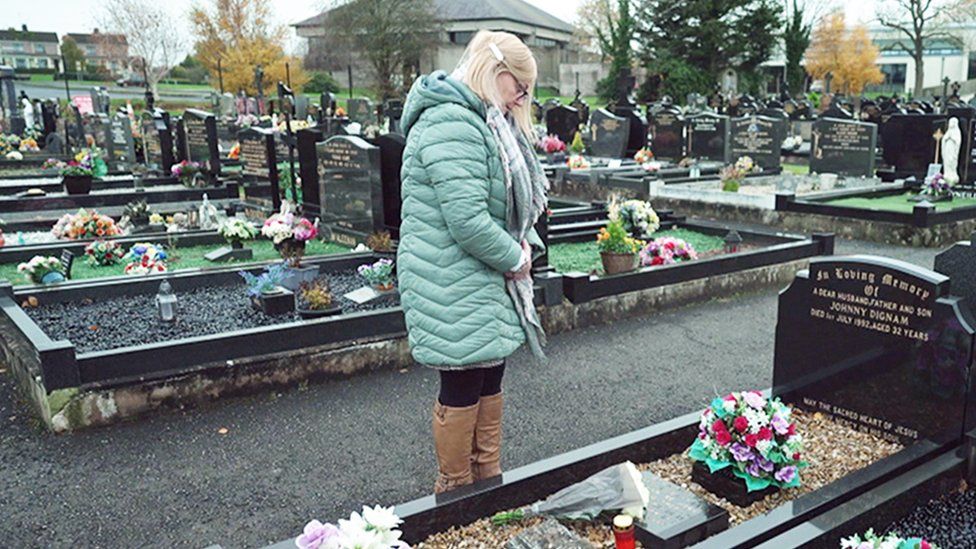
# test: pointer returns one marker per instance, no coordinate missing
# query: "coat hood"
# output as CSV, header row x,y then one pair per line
x,y
437,88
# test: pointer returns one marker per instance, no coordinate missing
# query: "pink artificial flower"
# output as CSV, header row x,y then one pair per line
x,y
741,424
316,535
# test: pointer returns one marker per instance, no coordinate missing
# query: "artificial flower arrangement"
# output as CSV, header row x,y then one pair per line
x,y
637,216
268,282
666,250
9,142
375,528
754,437
643,156
732,175
146,258
137,211
104,253
28,144
340,112
187,172
937,187
793,142
870,540
86,163
577,162
85,224
236,230
379,274
577,146
551,144
156,219
290,232
38,269
235,152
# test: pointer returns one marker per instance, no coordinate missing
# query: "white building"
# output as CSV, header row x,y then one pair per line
x,y
953,57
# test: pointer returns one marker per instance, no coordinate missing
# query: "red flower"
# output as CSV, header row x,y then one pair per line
x,y
924,545
723,438
791,430
669,245
765,434
741,424
657,260
751,440
796,456
729,396
719,427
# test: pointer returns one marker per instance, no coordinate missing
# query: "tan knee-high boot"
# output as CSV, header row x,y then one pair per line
x,y
453,432
487,447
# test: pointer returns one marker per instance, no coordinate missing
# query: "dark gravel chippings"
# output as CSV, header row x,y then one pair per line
x,y
127,321
948,522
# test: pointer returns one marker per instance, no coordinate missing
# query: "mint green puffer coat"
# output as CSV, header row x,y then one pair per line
x,y
453,243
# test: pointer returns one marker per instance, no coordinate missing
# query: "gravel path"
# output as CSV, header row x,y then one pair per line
x,y
321,451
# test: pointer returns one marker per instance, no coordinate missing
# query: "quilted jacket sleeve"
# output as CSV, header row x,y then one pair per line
x,y
453,152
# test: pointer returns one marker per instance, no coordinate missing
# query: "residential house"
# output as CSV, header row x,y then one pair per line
x,y
25,49
102,49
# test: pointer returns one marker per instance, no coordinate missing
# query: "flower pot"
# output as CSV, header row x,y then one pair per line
x,y
726,485
236,245
294,277
276,303
614,263
384,288
319,313
77,184
52,278
291,248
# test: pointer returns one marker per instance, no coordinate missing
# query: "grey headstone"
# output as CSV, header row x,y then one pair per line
x,y
549,534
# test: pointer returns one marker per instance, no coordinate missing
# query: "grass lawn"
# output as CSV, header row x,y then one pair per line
x,y
798,169
897,203
186,258
585,257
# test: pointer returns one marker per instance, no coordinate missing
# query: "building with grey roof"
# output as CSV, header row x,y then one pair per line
x,y
25,49
549,37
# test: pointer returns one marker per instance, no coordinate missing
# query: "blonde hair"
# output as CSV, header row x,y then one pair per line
x,y
480,67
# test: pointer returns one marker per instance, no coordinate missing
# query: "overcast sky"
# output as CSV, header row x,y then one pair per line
x,y
64,16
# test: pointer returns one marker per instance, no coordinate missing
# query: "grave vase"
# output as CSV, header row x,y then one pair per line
x,y
614,263
77,184
726,485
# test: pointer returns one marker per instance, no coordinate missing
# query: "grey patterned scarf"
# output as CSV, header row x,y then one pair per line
x,y
527,189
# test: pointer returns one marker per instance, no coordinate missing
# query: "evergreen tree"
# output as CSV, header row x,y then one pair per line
x,y
796,40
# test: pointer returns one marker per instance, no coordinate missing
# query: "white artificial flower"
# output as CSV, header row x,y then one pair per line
x,y
355,533
763,446
850,543
381,518
889,544
728,405
637,511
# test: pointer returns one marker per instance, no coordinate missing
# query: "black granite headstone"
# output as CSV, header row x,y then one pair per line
x,y
563,122
306,140
676,517
67,262
844,147
201,139
709,137
608,134
638,127
668,134
350,188
582,107
549,534
393,108
911,141
361,110
259,163
120,151
877,343
758,137
157,134
391,147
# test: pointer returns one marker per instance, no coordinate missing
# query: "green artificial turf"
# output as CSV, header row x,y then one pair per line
x,y
185,258
896,203
798,169
585,256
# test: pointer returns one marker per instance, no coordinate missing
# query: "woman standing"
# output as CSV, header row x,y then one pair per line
x,y
472,190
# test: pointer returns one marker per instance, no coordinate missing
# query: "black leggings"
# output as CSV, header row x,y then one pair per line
x,y
460,388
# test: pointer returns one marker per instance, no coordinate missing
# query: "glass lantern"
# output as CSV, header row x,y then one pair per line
x,y
166,302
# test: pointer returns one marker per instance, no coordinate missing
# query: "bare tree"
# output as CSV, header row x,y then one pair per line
x,y
919,22
155,42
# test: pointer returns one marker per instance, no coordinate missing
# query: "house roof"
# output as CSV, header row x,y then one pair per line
x,y
28,36
90,38
480,10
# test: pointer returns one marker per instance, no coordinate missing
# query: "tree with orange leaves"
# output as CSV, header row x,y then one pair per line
x,y
848,56
239,33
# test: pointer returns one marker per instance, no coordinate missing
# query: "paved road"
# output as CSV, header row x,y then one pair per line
x,y
321,451
51,90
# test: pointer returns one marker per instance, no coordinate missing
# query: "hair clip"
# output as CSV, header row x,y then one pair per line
x,y
496,52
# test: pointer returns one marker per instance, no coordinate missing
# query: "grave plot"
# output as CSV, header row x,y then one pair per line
x,y
732,260
75,345
853,335
898,214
